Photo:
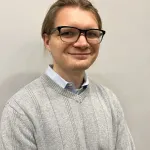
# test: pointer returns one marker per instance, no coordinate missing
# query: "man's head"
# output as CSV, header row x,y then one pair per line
x,y
49,21
72,33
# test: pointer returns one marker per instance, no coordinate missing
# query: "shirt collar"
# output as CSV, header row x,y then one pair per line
x,y
60,81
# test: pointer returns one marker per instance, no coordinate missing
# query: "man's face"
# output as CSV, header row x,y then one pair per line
x,y
77,56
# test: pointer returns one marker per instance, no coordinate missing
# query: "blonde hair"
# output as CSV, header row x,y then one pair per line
x,y
48,23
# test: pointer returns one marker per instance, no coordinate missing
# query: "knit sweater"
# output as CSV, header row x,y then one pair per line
x,y
44,116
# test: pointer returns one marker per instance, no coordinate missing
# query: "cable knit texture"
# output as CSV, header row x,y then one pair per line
x,y
44,116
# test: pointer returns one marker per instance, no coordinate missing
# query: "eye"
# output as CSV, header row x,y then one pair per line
x,y
93,34
67,34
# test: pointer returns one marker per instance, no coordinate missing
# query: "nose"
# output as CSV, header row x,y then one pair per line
x,y
81,42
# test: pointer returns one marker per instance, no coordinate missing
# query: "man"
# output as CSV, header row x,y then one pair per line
x,y
63,109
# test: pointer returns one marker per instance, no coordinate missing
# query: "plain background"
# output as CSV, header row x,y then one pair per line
x,y
123,64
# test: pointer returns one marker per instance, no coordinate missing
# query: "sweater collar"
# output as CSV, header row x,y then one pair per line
x,y
63,83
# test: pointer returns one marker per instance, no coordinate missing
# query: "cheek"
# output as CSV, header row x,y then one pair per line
x,y
54,45
96,49
57,49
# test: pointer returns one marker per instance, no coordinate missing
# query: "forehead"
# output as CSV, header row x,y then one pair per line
x,y
75,16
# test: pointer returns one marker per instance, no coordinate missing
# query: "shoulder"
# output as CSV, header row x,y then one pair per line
x,y
104,91
24,98
108,97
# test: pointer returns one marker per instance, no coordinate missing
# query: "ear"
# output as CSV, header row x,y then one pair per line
x,y
46,40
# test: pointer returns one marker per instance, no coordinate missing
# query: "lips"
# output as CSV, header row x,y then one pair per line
x,y
80,56
79,53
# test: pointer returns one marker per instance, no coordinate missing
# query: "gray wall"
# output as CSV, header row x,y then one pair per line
x,y
123,64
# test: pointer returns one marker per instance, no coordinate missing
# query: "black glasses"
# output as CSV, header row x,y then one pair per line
x,y
72,34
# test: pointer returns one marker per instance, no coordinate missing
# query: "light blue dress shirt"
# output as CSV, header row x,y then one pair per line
x,y
63,83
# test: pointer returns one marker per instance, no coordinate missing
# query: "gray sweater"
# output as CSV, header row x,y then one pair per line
x,y
44,116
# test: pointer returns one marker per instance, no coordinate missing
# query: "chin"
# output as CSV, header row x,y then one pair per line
x,y
81,66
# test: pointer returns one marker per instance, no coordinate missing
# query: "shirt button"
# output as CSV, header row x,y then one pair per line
x,y
70,84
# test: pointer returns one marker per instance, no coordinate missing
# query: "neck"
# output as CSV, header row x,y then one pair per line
x,y
76,77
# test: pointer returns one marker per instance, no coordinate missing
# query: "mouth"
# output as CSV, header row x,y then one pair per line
x,y
80,56
79,53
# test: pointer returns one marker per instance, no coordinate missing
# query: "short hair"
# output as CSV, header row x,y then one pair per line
x,y
48,23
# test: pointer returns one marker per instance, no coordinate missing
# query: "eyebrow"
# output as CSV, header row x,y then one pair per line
x,y
87,28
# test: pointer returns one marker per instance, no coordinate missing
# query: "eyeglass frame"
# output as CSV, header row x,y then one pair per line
x,y
80,31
